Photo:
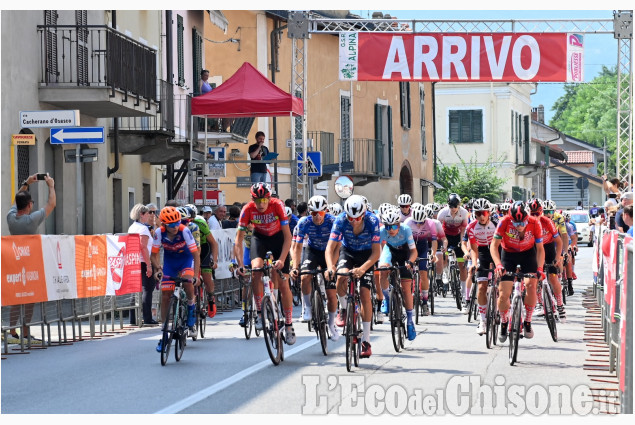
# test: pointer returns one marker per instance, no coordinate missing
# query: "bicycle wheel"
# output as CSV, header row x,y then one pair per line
x,y
202,313
514,333
431,294
351,335
358,331
490,318
564,286
395,319
320,320
168,333
416,305
296,292
548,307
248,314
402,320
456,287
373,303
472,305
180,339
270,330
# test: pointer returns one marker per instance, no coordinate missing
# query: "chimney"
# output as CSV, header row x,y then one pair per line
x,y
378,15
534,114
541,114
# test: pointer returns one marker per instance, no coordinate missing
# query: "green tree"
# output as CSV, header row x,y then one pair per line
x,y
589,112
470,179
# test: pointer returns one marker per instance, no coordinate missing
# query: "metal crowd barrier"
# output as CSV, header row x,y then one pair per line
x,y
611,324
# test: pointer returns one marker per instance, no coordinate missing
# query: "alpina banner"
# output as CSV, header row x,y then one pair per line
x,y
480,57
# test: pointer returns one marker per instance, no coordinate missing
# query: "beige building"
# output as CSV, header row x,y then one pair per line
x,y
487,121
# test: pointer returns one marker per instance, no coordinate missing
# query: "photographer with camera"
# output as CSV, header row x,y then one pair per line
x,y
257,152
23,220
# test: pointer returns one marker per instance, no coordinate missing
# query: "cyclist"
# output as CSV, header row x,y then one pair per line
x,y
247,263
405,202
180,258
552,243
209,256
270,233
334,209
380,295
432,212
454,221
573,250
520,236
317,229
424,233
357,232
480,233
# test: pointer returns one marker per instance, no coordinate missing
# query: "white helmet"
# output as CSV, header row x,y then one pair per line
x,y
430,211
383,208
548,205
404,199
504,207
369,206
288,212
481,204
193,208
317,203
335,208
414,204
184,212
435,208
390,217
355,206
419,213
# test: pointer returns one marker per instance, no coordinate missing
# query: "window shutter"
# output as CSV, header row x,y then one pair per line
x,y
379,151
345,128
197,57
50,19
409,117
455,125
422,116
180,47
390,141
81,19
477,126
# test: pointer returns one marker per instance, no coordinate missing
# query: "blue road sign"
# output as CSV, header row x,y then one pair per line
x,y
74,135
314,164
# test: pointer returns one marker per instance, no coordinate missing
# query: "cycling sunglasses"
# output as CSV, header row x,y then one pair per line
x,y
173,225
535,214
318,213
260,200
548,211
391,226
519,223
480,213
353,219
404,206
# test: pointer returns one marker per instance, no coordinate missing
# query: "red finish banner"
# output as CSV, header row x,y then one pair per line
x,y
478,57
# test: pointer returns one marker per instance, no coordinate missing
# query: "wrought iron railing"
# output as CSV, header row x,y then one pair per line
x,y
96,56
324,142
362,156
162,122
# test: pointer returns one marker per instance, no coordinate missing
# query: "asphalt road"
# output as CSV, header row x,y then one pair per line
x,y
440,372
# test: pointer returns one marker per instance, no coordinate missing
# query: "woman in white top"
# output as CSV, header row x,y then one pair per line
x,y
140,214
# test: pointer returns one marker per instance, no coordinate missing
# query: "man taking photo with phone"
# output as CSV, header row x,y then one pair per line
x,y
24,220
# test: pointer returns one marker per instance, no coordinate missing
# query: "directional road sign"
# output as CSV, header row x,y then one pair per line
x,y
314,164
76,135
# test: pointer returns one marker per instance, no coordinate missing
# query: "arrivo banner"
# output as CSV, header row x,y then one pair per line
x,y
480,57
38,268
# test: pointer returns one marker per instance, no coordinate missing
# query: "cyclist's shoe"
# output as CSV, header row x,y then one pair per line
x,y
306,314
562,314
574,276
366,351
335,334
379,317
446,287
412,333
570,289
385,306
424,310
160,345
191,317
340,320
258,323
241,322
529,332
481,328
465,308
503,335
289,335
539,311
211,310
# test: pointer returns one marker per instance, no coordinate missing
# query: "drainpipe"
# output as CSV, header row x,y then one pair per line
x,y
116,121
434,134
274,66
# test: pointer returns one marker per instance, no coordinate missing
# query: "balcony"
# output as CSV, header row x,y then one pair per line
x,y
364,160
97,70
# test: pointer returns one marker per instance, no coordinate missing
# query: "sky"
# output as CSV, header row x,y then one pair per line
x,y
599,50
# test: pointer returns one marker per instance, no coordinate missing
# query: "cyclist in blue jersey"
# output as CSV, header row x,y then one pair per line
x,y
357,233
398,248
572,232
179,259
316,228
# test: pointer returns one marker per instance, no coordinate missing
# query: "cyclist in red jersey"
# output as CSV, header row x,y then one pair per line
x,y
270,233
521,238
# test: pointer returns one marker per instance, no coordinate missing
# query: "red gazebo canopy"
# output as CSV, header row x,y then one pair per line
x,y
247,93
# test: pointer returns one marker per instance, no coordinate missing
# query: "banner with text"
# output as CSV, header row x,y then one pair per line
x,y
480,57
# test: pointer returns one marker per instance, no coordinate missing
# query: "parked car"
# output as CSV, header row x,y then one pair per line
x,y
581,220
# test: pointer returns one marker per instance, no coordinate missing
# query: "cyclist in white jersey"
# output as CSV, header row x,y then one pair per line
x,y
454,221
432,212
405,210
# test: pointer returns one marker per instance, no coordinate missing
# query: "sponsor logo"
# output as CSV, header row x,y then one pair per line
x,y
576,40
24,277
21,251
92,250
576,66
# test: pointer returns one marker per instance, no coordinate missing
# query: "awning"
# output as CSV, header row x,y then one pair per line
x,y
218,18
425,182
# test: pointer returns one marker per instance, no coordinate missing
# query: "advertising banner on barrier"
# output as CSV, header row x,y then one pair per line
x,y
225,239
23,276
124,264
509,57
58,253
91,264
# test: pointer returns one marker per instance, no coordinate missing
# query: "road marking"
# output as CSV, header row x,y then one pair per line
x,y
213,389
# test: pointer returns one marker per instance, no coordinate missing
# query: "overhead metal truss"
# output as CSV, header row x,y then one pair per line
x,y
621,26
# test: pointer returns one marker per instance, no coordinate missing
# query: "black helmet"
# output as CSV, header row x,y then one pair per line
x,y
518,211
454,200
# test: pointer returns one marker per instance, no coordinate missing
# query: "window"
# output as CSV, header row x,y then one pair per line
x,y
422,116
197,55
512,129
179,46
384,141
345,128
404,96
466,126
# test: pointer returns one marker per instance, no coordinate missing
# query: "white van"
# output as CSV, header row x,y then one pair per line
x,y
581,220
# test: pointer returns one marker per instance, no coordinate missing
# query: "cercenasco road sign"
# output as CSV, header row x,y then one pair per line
x,y
49,119
76,135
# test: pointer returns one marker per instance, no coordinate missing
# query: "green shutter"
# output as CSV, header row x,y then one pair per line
x,y
390,141
455,126
408,103
197,57
477,126
179,46
379,152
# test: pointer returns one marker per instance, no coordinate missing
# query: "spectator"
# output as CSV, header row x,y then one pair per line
x,y
289,203
22,220
628,219
579,207
620,223
303,209
258,151
207,213
141,216
217,218
203,86
232,222
171,203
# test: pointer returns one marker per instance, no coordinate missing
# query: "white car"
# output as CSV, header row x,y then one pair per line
x,y
581,220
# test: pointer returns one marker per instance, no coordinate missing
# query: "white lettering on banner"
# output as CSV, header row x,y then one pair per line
x,y
534,66
397,51
58,253
425,58
225,239
497,67
21,251
23,277
450,58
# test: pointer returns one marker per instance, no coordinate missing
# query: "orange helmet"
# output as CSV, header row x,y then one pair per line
x,y
169,215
